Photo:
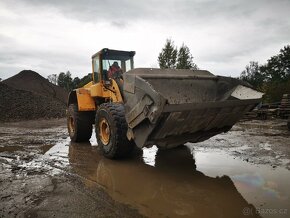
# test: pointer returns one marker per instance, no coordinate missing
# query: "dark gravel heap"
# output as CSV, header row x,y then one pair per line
x,y
31,81
25,105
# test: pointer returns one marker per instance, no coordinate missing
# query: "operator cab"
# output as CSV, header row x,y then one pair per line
x,y
111,64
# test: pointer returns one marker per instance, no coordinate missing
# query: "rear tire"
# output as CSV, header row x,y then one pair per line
x,y
111,129
79,124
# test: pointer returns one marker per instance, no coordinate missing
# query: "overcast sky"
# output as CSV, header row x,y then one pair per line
x,y
54,36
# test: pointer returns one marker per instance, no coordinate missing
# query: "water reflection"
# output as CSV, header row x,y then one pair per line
x,y
149,155
173,188
261,185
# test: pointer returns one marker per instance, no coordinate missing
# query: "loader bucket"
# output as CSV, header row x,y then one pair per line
x,y
167,107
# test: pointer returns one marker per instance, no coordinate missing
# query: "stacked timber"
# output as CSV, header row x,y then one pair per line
x,y
284,108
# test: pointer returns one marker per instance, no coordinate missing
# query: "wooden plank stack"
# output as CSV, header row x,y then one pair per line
x,y
284,108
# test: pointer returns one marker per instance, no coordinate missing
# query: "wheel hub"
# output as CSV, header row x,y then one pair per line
x,y
104,131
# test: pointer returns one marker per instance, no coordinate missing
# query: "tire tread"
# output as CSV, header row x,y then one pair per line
x,y
83,122
123,146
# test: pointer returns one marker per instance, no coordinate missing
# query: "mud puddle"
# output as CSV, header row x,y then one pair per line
x,y
242,173
180,183
196,180
261,185
10,148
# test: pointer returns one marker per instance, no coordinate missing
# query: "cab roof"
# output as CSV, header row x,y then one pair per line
x,y
106,53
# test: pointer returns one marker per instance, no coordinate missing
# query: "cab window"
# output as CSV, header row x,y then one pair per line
x,y
96,66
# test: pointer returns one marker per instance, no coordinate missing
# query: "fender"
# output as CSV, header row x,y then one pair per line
x,y
83,99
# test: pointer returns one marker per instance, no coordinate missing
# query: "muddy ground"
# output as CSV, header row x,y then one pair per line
x,y
242,173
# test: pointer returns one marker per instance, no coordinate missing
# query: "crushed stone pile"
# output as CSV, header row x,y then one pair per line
x,y
31,81
28,96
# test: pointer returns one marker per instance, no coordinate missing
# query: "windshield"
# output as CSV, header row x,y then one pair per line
x,y
123,63
112,64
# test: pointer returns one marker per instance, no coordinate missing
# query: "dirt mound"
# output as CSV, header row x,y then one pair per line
x,y
31,81
24,105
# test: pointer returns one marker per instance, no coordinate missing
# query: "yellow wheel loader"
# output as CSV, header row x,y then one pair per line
x,y
145,106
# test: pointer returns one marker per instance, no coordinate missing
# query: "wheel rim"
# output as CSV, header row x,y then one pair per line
x,y
104,131
71,125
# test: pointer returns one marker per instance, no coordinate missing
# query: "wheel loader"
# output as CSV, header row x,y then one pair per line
x,y
146,106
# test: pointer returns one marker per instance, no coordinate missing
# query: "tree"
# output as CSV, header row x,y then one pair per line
x,y
0,79
61,79
86,79
68,81
272,78
277,73
185,59
167,57
53,78
253,75
64,80
76,81
277,69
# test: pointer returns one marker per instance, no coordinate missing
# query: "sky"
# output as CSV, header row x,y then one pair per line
x,y
223,36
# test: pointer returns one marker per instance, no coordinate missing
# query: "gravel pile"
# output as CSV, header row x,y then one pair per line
x,y
29,101
29,80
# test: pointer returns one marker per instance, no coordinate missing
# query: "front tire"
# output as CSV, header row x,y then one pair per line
x,y
111,129
79,123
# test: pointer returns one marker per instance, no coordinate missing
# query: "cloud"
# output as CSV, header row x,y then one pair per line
x,y
223,36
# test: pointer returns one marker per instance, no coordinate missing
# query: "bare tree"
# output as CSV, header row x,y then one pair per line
x,y
53,78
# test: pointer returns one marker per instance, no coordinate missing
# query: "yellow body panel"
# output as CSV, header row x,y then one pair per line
x,y
85,101
112,93
88,84
86,95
